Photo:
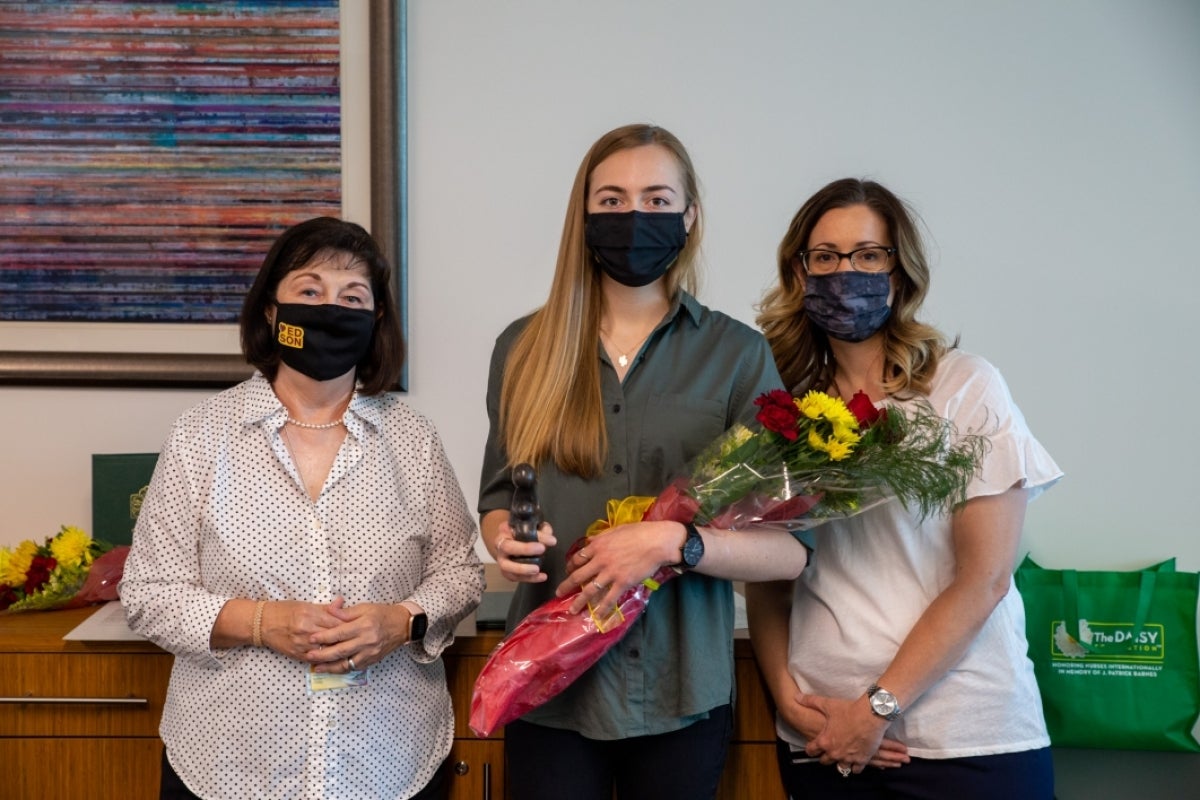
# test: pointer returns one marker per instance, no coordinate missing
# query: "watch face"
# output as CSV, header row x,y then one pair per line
x,y
693,549
884,704
419,623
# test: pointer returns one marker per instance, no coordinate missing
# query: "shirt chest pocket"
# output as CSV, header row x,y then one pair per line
x,y
677,427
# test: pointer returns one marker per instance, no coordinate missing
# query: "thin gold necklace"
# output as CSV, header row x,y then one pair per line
x,y
287,442
623,352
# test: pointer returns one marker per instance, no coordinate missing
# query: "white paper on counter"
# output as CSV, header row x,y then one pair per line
x,y
106,625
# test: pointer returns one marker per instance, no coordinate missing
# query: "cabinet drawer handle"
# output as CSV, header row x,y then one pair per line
x,y
102,701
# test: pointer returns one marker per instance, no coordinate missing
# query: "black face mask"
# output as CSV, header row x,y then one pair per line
x,y
635,248
322,341
850,306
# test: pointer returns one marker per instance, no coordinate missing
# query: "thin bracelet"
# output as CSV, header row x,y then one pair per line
x,y
256,628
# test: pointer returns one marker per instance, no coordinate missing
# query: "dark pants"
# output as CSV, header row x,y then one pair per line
x,y
1028,775
550,764
173,788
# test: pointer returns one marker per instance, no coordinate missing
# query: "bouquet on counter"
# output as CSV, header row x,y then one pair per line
x,y
70,569
808,460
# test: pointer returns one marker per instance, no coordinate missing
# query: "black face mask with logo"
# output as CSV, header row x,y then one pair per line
x,y
635,248
322,341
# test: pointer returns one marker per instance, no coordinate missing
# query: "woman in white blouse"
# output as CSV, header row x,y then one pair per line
x,y
897,661
305,550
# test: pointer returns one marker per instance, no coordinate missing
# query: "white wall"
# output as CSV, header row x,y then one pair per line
x,y
1051,148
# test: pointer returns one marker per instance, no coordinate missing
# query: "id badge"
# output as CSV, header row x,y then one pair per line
x,y
324,681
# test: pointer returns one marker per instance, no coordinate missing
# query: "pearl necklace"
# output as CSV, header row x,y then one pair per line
x,y
313,426
323,426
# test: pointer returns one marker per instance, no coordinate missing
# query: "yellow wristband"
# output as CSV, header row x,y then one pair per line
x,y
256,628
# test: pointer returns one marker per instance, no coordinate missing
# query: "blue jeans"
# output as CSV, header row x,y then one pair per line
x,y
1028,775
550,764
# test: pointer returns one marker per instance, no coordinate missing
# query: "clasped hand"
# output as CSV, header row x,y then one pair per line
x,y
327,635
850,734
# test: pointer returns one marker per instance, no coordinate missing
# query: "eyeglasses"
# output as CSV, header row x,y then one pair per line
x,y
864,259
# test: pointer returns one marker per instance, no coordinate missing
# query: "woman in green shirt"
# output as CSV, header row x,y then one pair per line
x,y
609,389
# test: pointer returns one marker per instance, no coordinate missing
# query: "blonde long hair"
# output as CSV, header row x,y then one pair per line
x,y
802,353
550,401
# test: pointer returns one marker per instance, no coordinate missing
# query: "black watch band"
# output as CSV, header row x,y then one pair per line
x,y
692,550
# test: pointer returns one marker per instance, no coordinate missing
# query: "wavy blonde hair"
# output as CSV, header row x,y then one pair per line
x,y
550,401
802,353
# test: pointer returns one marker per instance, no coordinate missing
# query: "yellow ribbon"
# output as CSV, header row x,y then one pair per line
x,y
620,512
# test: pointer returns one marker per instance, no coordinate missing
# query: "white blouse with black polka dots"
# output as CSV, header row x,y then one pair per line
x,y
227,517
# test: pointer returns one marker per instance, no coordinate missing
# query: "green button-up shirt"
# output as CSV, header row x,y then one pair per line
x,y
696,374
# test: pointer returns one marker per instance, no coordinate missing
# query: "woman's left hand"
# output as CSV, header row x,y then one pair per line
x,y
617,560
366,634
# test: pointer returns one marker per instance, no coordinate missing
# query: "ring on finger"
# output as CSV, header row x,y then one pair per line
x,y
845,770
600,586
350,664
584,556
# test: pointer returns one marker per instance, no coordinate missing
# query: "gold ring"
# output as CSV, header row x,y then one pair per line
x,y
845,770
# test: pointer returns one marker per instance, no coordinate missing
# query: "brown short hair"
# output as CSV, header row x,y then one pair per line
x,y
297,246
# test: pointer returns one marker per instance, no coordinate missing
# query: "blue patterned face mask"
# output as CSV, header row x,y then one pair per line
x,y
849,306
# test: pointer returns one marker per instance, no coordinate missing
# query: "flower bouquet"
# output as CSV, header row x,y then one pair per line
x,y
808,460
69,570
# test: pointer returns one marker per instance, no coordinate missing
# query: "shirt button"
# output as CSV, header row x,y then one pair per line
x,y
617,468
616,408
634,653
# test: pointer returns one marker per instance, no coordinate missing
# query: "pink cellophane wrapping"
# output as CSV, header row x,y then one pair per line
x,y
551,647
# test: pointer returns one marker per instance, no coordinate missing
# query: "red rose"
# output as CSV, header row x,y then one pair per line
x,y
864,410
39,573
778,413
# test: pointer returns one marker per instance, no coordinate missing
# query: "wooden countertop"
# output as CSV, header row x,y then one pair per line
x,y
43,631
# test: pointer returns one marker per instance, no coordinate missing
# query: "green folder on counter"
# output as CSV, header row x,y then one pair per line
x,y
119,484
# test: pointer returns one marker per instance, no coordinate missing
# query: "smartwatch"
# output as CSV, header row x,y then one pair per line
x,y
883,703
417,624
692,550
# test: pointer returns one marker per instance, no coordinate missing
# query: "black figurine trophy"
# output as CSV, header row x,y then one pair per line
x,y
525,515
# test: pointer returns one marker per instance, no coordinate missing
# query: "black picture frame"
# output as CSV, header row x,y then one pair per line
x,y
388,137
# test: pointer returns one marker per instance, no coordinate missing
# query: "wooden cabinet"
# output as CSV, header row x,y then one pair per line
x,y
478,764
751,770
80,719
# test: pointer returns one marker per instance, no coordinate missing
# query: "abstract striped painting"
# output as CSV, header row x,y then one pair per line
x,y
151,151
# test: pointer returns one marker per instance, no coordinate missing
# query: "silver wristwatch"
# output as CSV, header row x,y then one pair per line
x,y
883,703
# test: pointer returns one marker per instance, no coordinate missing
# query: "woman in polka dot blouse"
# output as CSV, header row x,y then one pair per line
x,y
305,550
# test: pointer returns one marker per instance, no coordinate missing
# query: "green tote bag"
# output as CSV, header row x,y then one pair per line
x,y
1115,655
